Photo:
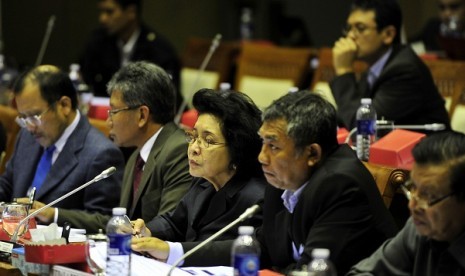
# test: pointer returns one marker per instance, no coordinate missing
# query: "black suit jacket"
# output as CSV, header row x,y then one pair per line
x,y
101,58
340,209
203,211
404,92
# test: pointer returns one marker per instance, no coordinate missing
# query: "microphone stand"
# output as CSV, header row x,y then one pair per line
x,y
106,173
48,32
247,214
215,43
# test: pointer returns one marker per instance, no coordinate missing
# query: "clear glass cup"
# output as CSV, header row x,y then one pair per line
x,y
96,256
12,215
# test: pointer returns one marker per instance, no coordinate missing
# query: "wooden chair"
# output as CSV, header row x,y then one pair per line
x,y
218,70
100,125
7,117
449,77
266,72
387,179
325,73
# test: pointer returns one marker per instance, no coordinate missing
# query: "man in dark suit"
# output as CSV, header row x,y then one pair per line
x,y
398,82
157,173
123,37
321,195
57,137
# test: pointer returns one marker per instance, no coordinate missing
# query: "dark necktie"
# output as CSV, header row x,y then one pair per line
x,y
43,167
138,169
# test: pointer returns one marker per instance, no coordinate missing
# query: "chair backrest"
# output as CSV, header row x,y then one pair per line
x,y
266,72
325,73
218,69
100,125
449,77
387,179
7,117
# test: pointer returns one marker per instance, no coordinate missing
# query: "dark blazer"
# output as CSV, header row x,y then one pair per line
x,y
204,211
404,92
85,155
340,209
164,182
101,57
2,138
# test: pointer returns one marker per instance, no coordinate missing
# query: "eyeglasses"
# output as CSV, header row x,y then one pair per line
x,y
452,6
112,112
33,120
358,29
423,202
191,137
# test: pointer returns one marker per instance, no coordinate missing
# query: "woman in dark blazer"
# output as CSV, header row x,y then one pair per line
x,y
223,151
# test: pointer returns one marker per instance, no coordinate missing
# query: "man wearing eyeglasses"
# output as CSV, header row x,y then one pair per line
x,y
433,240
398,82
57,149
450,23
156,177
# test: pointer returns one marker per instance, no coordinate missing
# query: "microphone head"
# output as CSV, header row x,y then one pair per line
x,y
106,173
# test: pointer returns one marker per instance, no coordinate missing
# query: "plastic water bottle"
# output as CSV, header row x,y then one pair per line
x,y
119,233
320,264
246,27
245,253
366,128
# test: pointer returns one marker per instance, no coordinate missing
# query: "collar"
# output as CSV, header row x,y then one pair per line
x,y
127,48
290,198
147,147
60,143
378,66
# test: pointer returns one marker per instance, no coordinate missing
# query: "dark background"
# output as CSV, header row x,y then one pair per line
x,y
24,22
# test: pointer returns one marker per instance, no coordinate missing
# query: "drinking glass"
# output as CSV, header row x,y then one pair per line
x,y
12,214
96,256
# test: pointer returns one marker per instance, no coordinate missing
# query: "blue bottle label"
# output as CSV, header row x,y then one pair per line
x,y
119,244
366,127
246,265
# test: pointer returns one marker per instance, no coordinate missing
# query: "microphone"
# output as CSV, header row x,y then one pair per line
x,y
215,43
48,32
106,173
247,214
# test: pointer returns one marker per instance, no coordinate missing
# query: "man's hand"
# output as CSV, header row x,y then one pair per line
x,y
157,248
46,216
139,229
344,54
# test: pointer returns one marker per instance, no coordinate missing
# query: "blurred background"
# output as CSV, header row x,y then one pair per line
x,y
310,23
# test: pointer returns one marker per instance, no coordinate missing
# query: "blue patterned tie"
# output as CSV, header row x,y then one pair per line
x,y
43,167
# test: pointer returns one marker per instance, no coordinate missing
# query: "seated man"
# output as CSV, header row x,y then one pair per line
x,y
433,240
58,150
399,83
157,174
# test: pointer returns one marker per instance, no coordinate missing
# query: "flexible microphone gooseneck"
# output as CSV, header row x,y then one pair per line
x,y
106,173
48,32
215,43
247,214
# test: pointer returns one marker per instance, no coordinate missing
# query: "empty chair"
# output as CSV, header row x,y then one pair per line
x,y
266,72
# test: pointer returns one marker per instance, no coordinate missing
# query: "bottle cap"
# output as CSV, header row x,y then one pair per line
x,y
224,86
119,211
366,101
245,230
320,253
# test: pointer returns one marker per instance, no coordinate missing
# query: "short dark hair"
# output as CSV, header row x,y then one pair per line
x,y
310,119
240,120
53,84
445,148
387,12
126,3
144,83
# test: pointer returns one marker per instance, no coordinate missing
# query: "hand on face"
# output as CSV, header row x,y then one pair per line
x,y
344,54
155,247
